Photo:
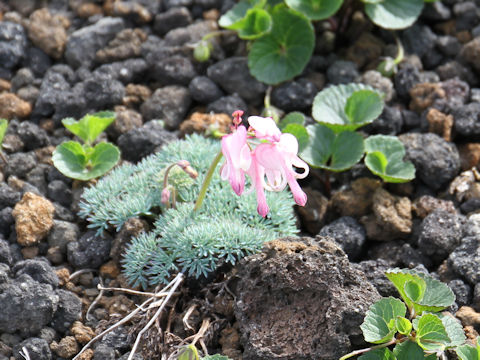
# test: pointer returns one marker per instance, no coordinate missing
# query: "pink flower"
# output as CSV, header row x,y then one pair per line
x,y
165,198
265,128
238,158
277,160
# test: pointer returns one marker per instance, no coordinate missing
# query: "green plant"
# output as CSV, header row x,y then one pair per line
x,y
190,353
332,144
85,162
283,37
3,130
225,228
414,327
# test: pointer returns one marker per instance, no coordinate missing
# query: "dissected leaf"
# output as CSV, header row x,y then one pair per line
x,y
315,9
300,133
431,334
329,106
378,354
379,324
394,14
385,158
3,129
335,152
282,54
408,350
403,325
295,117
90,126
437,295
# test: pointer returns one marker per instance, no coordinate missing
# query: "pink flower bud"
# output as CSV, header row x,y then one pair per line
x,y
185,165
165,198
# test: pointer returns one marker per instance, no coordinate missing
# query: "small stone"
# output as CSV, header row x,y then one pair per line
x,y
440,234
377,81
86,355
135,95
294,95
448,45
62,233
227,104
104,352
125,45
342,72
462,291
33,218
312,215
405,79
125,120
465,260
86,10
467,122
38,270
48,32
204,90
66,348
37,349
440,124
83,334
468,316
171,19
347,233
54,255
205,123
366,49
69,310
13,43
418,39
358,200
90,251
471,52
11,106
469,155
169,104
191,33
426,204
424,95
436,161
129,9
110,270
101,91
63,275
392,217
5,85
30,252
453,69
132,228
173,70
390,121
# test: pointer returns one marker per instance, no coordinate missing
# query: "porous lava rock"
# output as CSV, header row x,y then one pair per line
x,y
300,299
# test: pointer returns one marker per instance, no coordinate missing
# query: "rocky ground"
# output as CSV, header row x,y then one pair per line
x,y
298,299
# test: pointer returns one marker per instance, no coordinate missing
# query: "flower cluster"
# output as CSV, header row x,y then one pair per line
x,y
264,154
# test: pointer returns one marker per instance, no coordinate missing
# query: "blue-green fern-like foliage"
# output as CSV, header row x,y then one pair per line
x,y
227,227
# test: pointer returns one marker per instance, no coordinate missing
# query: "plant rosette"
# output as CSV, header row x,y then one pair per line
x,y
85,161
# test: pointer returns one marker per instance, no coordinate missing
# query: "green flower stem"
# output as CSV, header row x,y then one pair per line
x,y
361,351
400,51
206,182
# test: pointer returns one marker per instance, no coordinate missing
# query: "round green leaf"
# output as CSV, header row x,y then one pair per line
x,y
385,158
430,333
330,105
255,24
330,151
315,9
408,350
378,354
295,117
363,107
403,325
71,159
233,16
394,14
283,53
379,324
299,132
90,126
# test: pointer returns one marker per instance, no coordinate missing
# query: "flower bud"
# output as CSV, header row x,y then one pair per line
x,y
165,198
185,165
201,53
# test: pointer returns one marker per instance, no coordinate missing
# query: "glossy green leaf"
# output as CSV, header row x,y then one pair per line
x,y
408,350
71,159
415,290
255,24
282,54
330,104
3,129
299,132
379,324
394,14
385,158
234,15
330,151
437,295
295,117
315,9
378,354
363,107
403,325
430,333
90,126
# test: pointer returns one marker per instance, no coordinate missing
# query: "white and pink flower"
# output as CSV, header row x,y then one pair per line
x,y
273,158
